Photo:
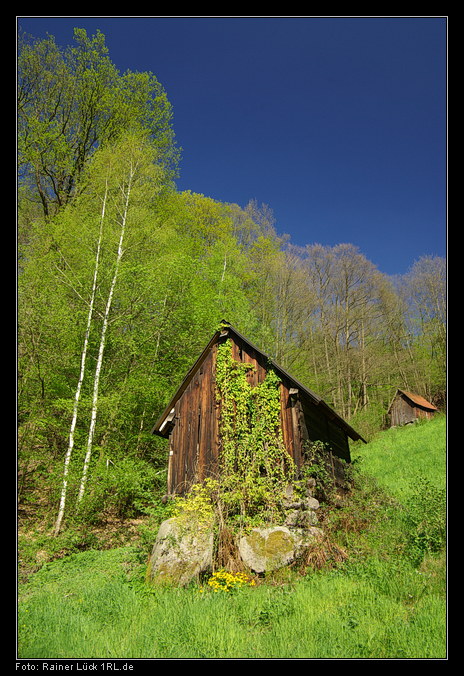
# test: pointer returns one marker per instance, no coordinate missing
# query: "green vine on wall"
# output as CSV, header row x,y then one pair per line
x,y
254,461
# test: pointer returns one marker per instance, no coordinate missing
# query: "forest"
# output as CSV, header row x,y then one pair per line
x,y
122,279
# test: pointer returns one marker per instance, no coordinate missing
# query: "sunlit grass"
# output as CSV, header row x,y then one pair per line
x,y
399,456
103,612
380,603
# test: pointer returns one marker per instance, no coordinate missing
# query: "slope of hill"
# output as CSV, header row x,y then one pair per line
x,y
400,456
386,599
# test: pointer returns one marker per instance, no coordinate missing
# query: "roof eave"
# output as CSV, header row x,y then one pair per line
x,y
223,333
182,387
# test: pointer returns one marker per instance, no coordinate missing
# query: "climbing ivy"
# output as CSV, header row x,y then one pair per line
x,y
254,462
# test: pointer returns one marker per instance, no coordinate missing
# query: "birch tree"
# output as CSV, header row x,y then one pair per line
x,y
77,395
126,191
130,167
117,182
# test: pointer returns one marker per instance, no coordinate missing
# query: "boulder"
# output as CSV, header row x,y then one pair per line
x,y
184,545
298,518
301,513
303,500
182,551
311,503
267,549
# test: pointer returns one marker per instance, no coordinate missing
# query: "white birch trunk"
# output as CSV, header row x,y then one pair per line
x,y
93,418
81,376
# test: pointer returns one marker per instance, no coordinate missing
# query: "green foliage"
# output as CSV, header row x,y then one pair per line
x,y
197,505
382,602
369,420
188,262
125,488
72,101
399,530
403,471
148,527
425,520
255,463
317,465
397,455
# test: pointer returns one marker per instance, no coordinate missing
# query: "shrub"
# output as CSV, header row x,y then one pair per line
x,y
124,489
197,504
425,520
317,466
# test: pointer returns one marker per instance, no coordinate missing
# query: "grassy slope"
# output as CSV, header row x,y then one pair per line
x,y
95,604
399,456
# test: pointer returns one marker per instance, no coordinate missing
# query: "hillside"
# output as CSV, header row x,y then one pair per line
x,y
122,279
397,457
384,598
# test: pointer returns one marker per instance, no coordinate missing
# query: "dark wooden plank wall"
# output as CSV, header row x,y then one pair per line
x,y
244,353
194,442
321,428
292,430
300,419
338,441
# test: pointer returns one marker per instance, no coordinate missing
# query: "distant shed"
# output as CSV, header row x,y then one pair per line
x,y
407,407
191,421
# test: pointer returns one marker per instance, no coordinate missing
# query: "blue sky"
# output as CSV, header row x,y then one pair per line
x,y
339,125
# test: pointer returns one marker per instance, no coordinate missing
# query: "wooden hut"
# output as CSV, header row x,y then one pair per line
x,y
407,407
191,421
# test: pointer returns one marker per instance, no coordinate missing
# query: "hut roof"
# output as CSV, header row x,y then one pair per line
x,y
229,329
416,399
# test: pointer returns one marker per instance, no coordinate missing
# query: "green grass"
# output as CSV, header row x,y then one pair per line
x,y
380,603
399,456
94,605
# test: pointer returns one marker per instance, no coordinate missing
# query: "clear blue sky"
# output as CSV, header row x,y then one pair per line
x,y
337,124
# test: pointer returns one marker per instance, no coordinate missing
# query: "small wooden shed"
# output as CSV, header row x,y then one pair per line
x,y
191,421
408,407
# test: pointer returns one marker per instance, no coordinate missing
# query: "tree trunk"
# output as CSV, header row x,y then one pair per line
x,y
81,375
101,349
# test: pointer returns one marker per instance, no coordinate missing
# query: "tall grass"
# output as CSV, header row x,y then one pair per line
x,y
379,604
91,607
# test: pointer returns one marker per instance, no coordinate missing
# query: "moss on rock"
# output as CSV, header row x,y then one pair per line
x,y
267,549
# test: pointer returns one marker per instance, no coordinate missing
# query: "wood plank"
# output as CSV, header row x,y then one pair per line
x,y
175,447
204,439
297,432
338,441
286,429
215,415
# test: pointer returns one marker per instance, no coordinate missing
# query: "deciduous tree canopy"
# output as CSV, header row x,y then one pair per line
x,y
122,280
72,101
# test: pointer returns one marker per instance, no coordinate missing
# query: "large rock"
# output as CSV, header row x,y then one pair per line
x,y
181,552
298,518
301,513
267,549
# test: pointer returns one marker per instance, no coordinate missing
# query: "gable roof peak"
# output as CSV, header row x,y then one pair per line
x,y
225,329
